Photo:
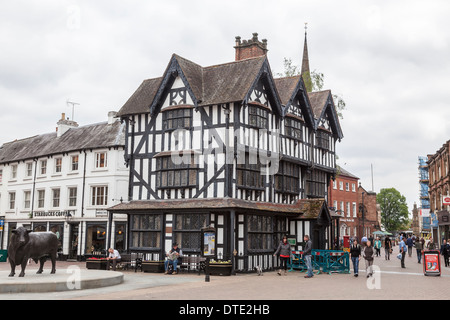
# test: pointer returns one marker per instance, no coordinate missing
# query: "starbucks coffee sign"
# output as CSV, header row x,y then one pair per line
x,y
56,214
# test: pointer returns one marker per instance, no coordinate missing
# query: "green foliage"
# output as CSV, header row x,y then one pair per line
x,y
394,210
314,81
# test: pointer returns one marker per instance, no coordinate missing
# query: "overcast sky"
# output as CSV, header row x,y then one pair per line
x,y
389,61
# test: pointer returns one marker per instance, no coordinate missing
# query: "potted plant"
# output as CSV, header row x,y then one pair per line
x,y
153,266
219,267
96,263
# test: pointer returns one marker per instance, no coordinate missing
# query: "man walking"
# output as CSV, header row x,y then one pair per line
x,y
409,243
307,256
403,248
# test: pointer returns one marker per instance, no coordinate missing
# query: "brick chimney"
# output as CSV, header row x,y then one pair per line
x,y
250,48
64,125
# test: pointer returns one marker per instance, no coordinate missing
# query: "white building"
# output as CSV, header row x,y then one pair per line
x,y
63,182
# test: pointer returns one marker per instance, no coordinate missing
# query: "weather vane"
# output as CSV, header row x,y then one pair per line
x,y
306,26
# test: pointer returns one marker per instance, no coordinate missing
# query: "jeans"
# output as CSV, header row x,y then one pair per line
x,y
308,265
419,255
355,261
369,268
403,259
387,253
174,262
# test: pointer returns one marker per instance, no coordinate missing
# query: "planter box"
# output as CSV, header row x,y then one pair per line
x,y
153,266
96,264
219,269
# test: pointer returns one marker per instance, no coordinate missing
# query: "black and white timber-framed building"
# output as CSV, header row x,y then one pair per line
x,y
232,147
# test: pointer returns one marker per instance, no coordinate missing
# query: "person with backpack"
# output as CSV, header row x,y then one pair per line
x,y
355,254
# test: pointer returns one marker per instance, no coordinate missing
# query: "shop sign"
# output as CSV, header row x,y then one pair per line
x,y
101,213
58,214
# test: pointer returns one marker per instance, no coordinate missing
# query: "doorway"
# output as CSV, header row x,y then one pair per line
x,y
73,243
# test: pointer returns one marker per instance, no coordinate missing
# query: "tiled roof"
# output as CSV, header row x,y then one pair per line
x,y
95,136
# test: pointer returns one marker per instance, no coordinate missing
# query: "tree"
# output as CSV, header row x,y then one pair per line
x,y
313,82
394,210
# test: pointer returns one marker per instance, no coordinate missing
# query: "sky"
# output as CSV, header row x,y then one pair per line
x,y
388,60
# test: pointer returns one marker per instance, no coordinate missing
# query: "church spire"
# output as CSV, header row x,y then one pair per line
x,y
306,74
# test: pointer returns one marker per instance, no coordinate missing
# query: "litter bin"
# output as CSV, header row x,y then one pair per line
x,y
431,263
3,255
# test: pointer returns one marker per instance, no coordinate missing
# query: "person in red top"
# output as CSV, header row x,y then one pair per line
x,y
284,250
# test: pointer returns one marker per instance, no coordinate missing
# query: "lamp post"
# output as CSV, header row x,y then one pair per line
x,y
362,210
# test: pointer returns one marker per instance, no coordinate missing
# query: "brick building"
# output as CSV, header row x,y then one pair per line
x,y
343,197
439,188
348,198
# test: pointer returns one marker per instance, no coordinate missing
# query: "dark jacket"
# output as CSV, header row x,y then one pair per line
x,y
308,248
355,251
368,253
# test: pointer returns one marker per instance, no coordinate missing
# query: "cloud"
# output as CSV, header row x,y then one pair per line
x,y
388,60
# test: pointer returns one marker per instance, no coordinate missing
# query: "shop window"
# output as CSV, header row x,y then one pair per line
x,y
145,231
120,237
260,233
58,230
187,231
96,239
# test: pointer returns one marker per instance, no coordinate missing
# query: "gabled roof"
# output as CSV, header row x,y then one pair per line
x,y
322,103
95,136
291,88
230,82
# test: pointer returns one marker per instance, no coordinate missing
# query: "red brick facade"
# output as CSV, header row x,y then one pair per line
x,y
346,196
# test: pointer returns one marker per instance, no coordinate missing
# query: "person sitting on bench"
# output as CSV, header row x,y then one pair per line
x,y
172,258
113,257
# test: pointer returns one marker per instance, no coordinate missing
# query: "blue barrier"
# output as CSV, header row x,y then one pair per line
x,y
327,261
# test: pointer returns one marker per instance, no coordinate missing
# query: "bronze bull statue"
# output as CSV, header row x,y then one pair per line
x,y
25,245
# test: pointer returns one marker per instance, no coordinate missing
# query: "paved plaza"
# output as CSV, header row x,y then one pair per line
x,y
390,282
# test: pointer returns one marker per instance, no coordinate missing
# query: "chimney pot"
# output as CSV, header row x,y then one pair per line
x,y
252,48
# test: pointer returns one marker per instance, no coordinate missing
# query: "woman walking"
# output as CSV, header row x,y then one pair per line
x,y
284,249
368,256
355,254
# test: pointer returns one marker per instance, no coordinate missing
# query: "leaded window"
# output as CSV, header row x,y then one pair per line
x,y
316,184
146,231
187,231
177,118
248,172
176,172
294,128
287,180
257,117
323,139
260,233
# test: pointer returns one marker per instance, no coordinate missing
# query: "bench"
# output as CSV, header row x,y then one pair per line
x,y
125,262
189,263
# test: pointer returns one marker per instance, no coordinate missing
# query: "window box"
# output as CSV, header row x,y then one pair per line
x,y
153,266
220,268
96,263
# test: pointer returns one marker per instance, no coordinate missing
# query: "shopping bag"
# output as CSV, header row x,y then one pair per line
x,y
399,256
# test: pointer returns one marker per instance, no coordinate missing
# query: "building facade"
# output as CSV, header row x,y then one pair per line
x,y
439,186
64,182
343,199
231,147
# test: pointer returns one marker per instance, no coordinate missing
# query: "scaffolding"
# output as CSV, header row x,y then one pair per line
x,y
423,183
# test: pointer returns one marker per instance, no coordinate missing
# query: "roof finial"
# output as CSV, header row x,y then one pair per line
x,y
306,74
306,27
